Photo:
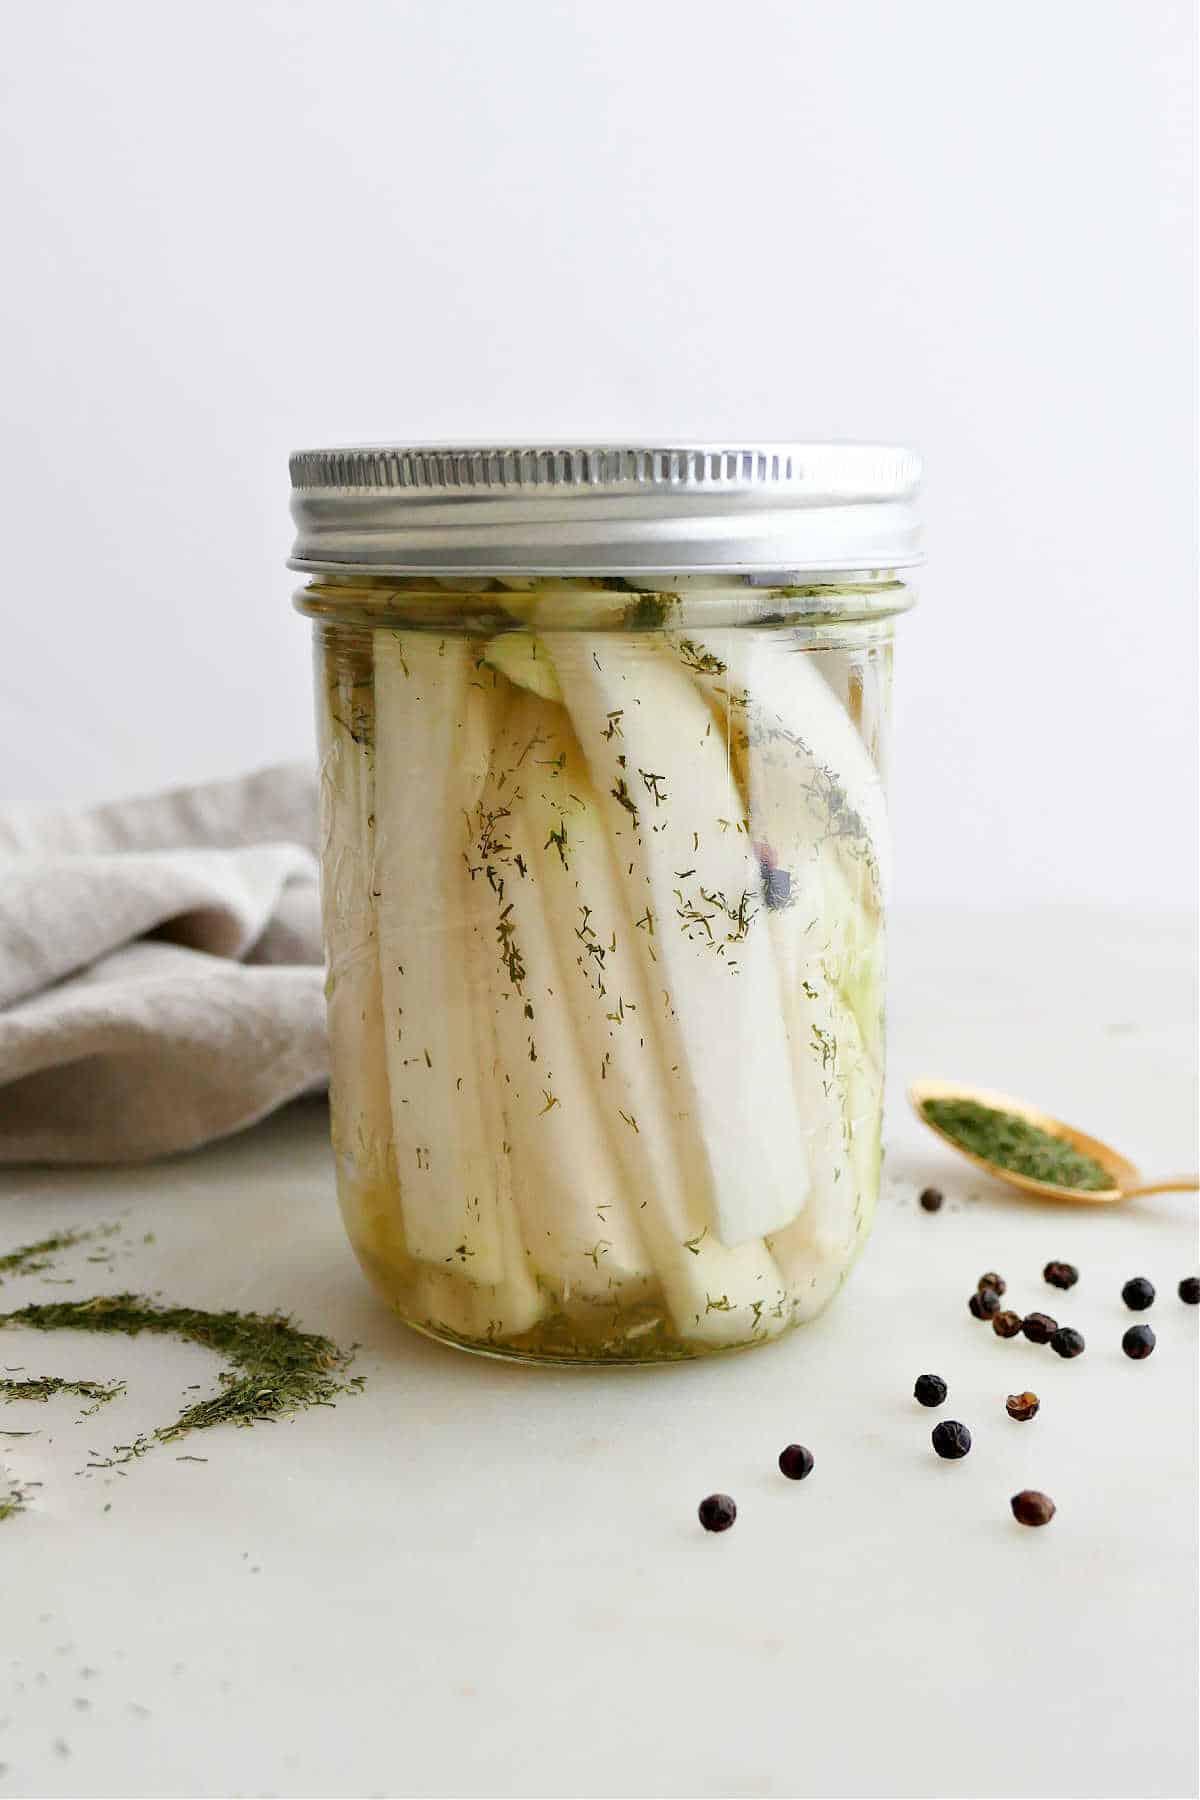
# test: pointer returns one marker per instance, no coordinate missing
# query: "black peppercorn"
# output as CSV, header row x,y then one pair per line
x,y
997,1282
931,1199
984,1302
1039,1328
796,1462
1006,1324
930,1390
1031,1508
1138,1342
1021,1406
1189,1290
1068,1342
717,1512
1138,1294
1061,1275
951,1439
777,888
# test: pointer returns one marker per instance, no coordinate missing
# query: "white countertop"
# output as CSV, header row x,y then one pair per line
x,y
478,1579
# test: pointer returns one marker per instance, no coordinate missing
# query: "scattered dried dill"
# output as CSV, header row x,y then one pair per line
x,y
12,1501
1013,1143
42,1387
32,1257
650,612
276,1369
702,661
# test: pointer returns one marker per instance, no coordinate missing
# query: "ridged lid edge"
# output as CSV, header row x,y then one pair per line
x,y
859,471
604,508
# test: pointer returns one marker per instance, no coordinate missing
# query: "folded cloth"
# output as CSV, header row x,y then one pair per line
x,y
160,969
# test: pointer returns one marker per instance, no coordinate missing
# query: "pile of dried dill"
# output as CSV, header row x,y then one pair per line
x,y
273,1368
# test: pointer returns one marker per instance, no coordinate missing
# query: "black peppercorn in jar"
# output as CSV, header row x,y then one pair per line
x,y
602,737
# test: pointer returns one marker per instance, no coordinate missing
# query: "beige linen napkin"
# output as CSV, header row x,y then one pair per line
x,y
160,969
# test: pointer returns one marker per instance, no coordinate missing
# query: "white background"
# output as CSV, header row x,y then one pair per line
x,y
234,229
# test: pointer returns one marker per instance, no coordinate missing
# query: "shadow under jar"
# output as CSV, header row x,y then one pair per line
x,y
604,866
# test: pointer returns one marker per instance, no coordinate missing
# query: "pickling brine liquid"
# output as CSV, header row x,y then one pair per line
x,y
603,883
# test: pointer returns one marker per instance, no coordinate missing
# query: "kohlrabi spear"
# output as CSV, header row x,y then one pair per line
x,y
714,1295
692,885
812,797
577,1214
430,764
612,992
361,1107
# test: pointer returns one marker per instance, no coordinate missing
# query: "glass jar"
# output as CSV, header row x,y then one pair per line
x,y
604,854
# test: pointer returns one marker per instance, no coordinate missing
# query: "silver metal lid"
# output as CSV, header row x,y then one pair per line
x,y
575,509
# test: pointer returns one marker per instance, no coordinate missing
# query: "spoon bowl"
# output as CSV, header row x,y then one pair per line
x,y
1126,1178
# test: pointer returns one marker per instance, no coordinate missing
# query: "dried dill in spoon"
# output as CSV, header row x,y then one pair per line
x,y
1029,1149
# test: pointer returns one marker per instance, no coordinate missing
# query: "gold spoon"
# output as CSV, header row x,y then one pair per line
x,y
1126,1180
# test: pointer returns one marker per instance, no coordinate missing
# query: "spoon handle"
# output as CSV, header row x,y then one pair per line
x,y
1174,1184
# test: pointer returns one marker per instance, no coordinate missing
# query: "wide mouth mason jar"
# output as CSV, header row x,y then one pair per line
x,y
604,869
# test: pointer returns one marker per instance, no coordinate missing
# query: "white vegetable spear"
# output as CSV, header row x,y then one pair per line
x,y
361,1105
430,765
692,885
570,1193
610,992
816,814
